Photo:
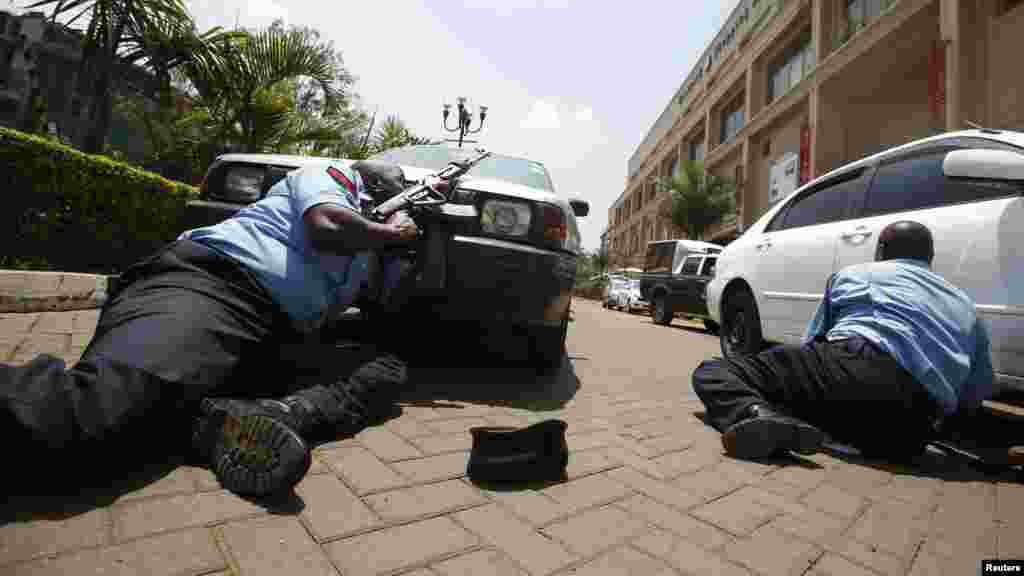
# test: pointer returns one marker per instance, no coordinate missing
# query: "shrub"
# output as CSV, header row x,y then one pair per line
x,y
76,212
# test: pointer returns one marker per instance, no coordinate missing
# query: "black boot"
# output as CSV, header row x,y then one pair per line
x,y
251,445
348,406
374,387
764,432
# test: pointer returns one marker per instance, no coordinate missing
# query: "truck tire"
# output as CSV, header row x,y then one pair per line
x,y
740,333
661,313
547,346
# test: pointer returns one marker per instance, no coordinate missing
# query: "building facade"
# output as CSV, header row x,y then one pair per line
x,y
791,89
39,68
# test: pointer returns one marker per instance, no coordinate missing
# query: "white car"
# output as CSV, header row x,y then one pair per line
x,y
966,186
628,297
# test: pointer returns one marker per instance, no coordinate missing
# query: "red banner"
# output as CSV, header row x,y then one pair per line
x,y
805,154
937,78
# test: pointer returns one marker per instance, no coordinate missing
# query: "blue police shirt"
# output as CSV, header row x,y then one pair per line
x,y
269,239
929,326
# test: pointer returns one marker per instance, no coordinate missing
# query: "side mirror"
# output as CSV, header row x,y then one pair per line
x,y
580,207
984,164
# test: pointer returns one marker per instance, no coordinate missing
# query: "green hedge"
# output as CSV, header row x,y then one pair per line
x,y
75,212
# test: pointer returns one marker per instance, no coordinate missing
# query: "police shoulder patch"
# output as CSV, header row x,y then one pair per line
x,y
339,177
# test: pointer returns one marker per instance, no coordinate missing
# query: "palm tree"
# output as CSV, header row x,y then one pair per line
x,y
114,27
699,199
393,133
243,92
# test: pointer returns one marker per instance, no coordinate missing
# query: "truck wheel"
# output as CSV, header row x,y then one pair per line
x,y
547,346
711,326
662,314
740,334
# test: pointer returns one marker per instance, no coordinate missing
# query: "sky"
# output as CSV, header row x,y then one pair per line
x,y
574,84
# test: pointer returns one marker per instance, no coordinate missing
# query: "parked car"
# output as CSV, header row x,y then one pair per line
x,y
966,186
634,300
612,287
625,295
514,269
676,273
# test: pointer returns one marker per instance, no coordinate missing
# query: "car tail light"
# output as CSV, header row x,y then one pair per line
x,y
555,229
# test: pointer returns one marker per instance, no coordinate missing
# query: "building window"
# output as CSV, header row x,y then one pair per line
x,y
673,170
863,11
697,150
732,120
790,69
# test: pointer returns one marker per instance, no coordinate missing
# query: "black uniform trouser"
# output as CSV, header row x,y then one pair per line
x,y
188,324
852,390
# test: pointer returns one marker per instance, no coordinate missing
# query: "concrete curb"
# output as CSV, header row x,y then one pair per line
x,y
31,291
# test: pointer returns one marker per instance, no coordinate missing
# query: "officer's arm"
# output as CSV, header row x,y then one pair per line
x,y
980,382
335,229
817,326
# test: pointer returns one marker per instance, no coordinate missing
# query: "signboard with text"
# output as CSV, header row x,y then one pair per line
x,y
805,154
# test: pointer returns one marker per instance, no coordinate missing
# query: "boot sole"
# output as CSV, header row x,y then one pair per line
x,y
256,455
763,437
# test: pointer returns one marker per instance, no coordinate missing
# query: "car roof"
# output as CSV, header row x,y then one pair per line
x,y
278,159
1005,136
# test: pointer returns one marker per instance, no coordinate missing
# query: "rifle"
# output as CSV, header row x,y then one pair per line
x,y
423,195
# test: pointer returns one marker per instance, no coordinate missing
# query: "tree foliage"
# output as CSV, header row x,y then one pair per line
x,y
700,199
114,27
242,90
393,133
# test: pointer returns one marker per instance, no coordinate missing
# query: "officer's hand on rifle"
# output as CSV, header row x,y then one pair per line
x,y
407,229
438,184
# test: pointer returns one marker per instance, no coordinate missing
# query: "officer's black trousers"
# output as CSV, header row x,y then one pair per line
x,y
188,324
850,389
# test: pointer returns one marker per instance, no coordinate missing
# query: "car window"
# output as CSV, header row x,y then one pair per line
x,y
821,205
243,183
709,266
659,257
916,182
274,175
691,265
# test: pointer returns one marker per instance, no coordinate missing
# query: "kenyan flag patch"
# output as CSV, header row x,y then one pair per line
x,y
341,179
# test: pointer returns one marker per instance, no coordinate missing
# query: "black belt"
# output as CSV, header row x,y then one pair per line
x,y
921,396
217,264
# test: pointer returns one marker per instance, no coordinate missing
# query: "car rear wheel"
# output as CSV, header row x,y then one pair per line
x,y
662,314
547,346
740,333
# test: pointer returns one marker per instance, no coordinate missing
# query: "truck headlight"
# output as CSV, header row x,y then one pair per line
x,y
505,218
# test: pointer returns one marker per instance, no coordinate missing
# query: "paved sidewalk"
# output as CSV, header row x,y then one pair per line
x,y
31,291
649,493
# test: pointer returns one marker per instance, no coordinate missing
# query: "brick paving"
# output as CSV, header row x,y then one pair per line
x,y
649,491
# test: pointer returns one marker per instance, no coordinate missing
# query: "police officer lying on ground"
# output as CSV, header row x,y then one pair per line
x,y
190,346
892,351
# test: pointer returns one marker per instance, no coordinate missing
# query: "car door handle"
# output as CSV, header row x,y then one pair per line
x,y
764,245
860,232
